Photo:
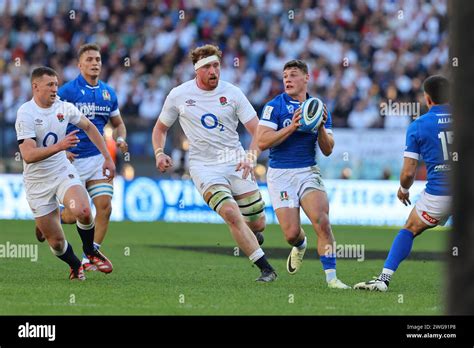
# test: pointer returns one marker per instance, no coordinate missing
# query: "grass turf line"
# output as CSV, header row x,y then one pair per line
x,y
160,281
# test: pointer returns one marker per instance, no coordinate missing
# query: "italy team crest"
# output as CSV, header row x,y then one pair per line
x,y
60,117
283,195
105,94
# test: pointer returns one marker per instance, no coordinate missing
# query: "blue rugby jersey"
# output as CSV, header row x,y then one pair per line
x,y
299,149
430,138
98,103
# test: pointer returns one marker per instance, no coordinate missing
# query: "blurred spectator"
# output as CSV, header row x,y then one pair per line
x,y
356,50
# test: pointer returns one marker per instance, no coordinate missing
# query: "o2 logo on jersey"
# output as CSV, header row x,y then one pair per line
x,y
210,121
286,122
50,139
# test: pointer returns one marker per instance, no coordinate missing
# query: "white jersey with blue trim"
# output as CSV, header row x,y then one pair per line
x,y
47,126
209,119
299,149
430,137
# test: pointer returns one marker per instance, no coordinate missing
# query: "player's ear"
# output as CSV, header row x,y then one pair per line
x,y
428,99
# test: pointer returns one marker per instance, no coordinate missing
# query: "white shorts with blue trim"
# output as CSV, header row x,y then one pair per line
x,y
90,168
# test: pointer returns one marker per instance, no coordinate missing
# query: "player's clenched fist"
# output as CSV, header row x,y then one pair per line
x,y
108,168
163,162
70,140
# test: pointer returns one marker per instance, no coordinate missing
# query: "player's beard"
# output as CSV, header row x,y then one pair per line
x,y
213,82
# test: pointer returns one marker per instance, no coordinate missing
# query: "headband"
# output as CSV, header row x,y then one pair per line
x,y
204,61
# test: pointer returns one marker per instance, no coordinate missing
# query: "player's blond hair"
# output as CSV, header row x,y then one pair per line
x,y
204,51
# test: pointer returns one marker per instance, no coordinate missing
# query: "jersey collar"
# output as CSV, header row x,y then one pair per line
x,y
441,109
289,99
82,81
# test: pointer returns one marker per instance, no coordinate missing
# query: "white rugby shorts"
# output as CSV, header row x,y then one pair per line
x,y
205,176
90,168
43,196
287,186
433,210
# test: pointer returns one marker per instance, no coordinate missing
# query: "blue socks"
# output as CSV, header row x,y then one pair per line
x,y
399,251
329,266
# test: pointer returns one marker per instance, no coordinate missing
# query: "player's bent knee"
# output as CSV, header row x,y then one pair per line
x,y
259,225
56,244
292,234
82,213
252,208
321,222
230,214
104,208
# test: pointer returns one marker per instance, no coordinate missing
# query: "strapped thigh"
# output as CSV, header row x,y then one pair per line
x,y
219,194
101,189
252,207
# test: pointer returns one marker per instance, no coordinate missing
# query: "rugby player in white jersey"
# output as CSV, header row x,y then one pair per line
x,y
49,177
209,111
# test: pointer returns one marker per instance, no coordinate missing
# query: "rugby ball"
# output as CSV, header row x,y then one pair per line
x,y
312,111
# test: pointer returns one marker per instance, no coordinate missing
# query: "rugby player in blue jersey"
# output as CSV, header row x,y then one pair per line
x,y
98,102
429,138
293,177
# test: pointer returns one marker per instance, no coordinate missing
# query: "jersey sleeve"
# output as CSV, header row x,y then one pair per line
x,y
412,145
73,113
24,126
115,108
269,116
63,93
245,110
169,114
328,124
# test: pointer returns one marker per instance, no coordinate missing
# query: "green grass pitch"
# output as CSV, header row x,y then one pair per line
x,y
153,276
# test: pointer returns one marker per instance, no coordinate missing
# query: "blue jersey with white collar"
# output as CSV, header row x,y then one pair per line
x,y
430,137
97,103
299,149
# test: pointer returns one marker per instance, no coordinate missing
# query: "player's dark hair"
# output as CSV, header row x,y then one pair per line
x,y
437,87
296,63
42,70
87,47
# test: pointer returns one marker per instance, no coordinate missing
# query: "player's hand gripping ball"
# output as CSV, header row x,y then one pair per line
x,y
312,111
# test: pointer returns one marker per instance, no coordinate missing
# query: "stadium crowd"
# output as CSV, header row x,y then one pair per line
x,y
361,53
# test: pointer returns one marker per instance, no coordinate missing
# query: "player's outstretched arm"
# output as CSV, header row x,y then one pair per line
x,y
158,137
268,137
93,133
407,177
31,153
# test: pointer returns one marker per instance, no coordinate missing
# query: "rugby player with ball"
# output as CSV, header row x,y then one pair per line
x,y
291,126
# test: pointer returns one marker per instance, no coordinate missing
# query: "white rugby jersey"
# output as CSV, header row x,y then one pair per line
x,y
209,119
48,126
